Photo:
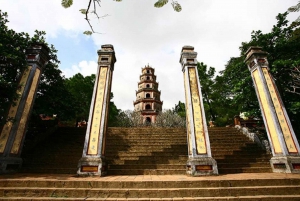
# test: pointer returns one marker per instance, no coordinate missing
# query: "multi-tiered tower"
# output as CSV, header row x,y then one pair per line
x,y
147,96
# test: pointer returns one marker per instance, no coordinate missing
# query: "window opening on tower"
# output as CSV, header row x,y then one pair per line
x,y
148,120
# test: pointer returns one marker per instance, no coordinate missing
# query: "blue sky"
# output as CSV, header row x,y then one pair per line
x,y
142,34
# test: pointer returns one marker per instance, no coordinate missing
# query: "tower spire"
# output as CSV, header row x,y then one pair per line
x,y
147,96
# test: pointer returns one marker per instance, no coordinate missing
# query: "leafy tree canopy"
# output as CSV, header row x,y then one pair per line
x,y
13,62
235,85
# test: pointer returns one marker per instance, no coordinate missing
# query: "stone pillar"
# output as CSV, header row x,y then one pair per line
x,y
200,161
284,145
13,133
93,156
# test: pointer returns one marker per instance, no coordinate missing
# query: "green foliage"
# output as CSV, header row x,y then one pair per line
x,y
13,63
206,80
235,84
295,8
113,112
160,3
66,3
81,90
179,109
83,11
88,33
176,6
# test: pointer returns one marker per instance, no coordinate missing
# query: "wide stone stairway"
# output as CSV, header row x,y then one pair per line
x,y
146,150
163,151
148,164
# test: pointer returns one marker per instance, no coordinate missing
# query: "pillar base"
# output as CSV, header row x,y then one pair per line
x,y
285,164
88,166
201,166
10,164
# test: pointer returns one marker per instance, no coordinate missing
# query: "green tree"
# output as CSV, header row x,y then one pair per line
x,y
53,96
180,109
113,112
206,77
233,92
282,44
81,90
13,62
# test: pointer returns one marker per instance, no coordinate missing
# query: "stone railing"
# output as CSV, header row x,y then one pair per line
x,y
258,139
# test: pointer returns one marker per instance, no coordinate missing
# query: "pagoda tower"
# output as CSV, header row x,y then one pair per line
x,y
147,96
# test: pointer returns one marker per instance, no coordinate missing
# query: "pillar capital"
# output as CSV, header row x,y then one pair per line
x,y
256,56
188,56
38,53
107,55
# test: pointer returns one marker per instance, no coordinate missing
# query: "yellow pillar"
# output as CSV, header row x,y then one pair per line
x,y
200,161
284,144
13,133
93,156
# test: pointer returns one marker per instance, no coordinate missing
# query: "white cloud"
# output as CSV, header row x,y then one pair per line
x,y
86,68
50,16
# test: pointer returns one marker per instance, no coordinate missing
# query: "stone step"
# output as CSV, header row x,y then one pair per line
x,y
149,166
238,165
142,147
148,192
151,161
225,181
236,154
241,160
45,170
233,198
149,158
232,170
147,142
156,171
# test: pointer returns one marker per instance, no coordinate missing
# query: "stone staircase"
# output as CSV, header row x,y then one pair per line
x,y
157,157
235,153
134,151
58,154
243,187
144,151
